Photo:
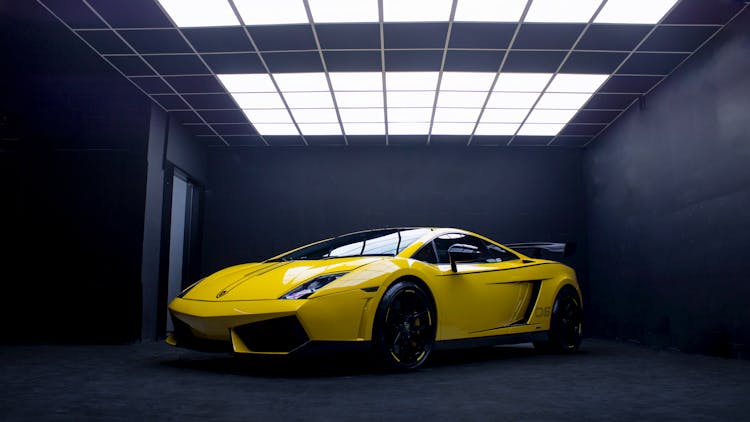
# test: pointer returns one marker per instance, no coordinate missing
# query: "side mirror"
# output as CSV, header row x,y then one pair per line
x,y
462,253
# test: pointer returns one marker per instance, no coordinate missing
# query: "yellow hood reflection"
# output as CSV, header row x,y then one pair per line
x,y
269,280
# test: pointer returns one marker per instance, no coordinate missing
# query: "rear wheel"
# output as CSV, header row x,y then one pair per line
x,y
404,327
566,324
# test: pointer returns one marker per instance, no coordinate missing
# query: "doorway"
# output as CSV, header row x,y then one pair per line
x,y
182,254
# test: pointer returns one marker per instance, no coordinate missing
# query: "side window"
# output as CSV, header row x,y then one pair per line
x,y
498,254
426,254
445,241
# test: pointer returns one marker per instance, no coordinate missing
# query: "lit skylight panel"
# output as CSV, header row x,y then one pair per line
x,y
565,82
408,128
364,128
278,115
301,82
522,82
535,129
498,129
489,10
416,10
250,82
634,11
356,81
334,11
362,115
411,99
551,116
457,114
461,99
440,128
562,101
315,115
258,100
411,81
271,129
359,99
313,129
200,13
575,11
467,81
503,115
523,100
409,114
309,99
275,12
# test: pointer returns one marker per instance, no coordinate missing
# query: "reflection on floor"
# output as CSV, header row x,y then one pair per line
x,y
606,380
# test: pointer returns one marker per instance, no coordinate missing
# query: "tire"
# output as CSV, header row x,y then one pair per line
x,y
404,328
566,324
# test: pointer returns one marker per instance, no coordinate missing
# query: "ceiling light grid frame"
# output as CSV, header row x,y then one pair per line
x,y
500,69
325,69
629,106
203,61
557,72
159,74
265,66
452,16
381,39
622,63
211,124
137,54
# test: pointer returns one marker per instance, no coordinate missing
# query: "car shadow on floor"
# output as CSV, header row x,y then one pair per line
x,y
339,364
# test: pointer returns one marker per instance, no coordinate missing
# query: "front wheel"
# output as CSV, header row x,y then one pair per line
x,y
404,327
566,324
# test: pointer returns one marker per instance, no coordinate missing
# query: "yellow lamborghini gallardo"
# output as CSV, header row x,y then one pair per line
x,y
399,292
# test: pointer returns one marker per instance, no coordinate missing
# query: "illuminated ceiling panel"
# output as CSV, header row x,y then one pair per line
x,y
214,13
507,68
416,10
337,11
264,12
576,11
200,13
457,111
489,10
634,11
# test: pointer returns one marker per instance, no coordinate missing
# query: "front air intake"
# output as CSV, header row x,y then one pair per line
x,y
184,337
281,335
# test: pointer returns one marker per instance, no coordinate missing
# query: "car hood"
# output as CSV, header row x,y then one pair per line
x,y
268,280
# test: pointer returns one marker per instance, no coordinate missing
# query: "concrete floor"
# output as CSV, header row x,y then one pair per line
x,y
152,381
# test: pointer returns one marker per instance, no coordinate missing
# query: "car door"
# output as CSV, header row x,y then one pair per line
x,y
482,295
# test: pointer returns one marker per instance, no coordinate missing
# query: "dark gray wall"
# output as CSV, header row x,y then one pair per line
x,y
186,152
72,163
668,209
262,202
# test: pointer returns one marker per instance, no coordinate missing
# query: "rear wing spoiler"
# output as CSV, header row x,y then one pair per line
x,y
537,249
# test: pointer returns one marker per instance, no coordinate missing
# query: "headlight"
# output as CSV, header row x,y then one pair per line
x,y
190,287
306,289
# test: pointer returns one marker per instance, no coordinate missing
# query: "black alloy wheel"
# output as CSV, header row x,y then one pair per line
x,y
566,324
404,328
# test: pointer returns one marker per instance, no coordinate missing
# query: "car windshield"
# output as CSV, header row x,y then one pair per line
x,y
387,242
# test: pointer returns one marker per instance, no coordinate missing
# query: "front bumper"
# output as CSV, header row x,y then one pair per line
x,y
271,326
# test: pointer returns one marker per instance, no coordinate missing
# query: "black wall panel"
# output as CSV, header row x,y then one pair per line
x,y
669,194
73,174
185,151
262,201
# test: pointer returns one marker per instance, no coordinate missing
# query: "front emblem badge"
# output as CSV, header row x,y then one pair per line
x,y
221,293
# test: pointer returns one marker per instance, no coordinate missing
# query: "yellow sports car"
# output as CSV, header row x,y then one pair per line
x,y
399,292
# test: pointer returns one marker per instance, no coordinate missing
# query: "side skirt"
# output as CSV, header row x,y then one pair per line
x,y
491,341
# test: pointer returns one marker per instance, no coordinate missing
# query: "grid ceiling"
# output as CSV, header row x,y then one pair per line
x,y
395,72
